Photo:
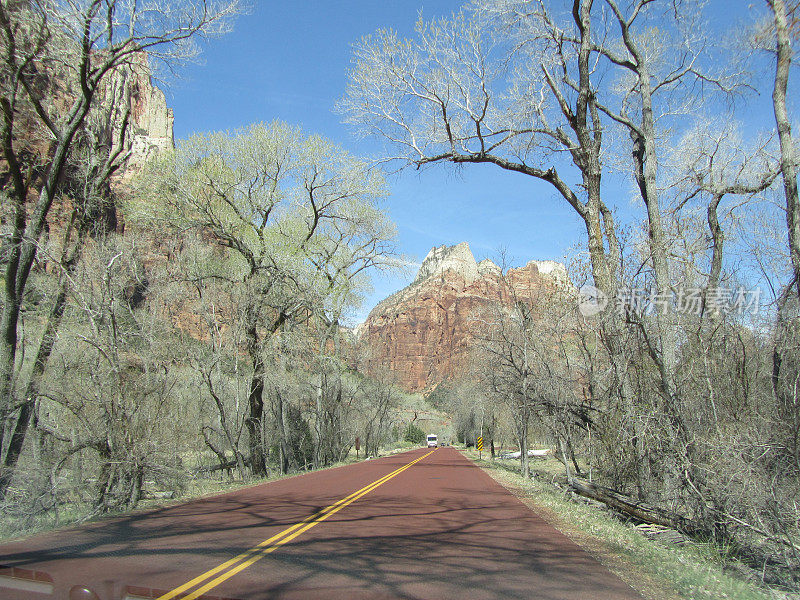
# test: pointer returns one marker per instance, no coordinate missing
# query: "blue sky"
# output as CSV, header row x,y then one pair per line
x,y
288,61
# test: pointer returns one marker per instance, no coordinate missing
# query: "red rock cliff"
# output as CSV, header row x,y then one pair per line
x,y
423,333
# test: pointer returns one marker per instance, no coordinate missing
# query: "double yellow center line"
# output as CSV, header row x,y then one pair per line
x,y
212,578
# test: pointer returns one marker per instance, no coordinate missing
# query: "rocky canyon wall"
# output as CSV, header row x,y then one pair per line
x,y
424,332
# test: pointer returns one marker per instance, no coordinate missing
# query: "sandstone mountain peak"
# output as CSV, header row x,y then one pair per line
x,y
424,332
487,267
458,259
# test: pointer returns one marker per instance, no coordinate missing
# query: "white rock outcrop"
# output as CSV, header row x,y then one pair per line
x,y
458,259
555,270
151,120
487,267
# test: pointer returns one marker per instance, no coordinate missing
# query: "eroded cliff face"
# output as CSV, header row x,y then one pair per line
x,y
127,90
151,121
424,332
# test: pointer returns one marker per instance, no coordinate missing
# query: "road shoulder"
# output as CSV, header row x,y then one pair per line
x,y
656,572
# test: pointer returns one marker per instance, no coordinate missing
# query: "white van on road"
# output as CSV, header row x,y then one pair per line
x,y
433,441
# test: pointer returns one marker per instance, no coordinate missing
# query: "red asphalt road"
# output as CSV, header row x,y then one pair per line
x,y
440,529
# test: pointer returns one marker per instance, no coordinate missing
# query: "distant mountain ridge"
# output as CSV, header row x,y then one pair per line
x,y
423,333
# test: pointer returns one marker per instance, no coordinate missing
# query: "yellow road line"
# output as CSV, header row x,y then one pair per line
x,y
247,558
271,540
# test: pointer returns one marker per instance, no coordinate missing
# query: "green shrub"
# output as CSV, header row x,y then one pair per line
x,y
414,434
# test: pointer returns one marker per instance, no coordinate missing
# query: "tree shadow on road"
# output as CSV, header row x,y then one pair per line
x,y
423,536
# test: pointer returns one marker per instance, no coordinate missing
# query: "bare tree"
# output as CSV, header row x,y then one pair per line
x,y
56,58
509,84
784,16
377,399
109,389
565,94
299,219
99,151
475,89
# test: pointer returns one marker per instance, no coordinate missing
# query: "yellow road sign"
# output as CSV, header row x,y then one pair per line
x,y
479,445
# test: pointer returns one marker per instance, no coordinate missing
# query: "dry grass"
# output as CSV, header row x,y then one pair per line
x,y
658,572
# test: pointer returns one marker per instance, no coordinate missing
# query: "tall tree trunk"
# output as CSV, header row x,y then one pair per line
x,y
788,166
523,425
525,460
603,245
565,460
23,254
25,239
646,172
258,462
318,425
283,446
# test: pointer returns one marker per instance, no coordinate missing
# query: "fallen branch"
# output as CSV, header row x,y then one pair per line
x,y
638,510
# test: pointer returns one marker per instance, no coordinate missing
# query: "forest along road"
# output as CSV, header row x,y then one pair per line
x,y
421,524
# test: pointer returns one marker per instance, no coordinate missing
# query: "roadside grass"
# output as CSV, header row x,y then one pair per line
x,y
694,571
